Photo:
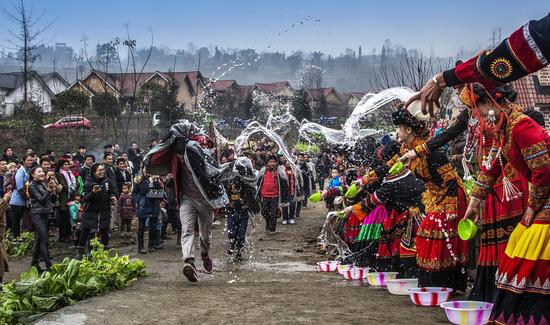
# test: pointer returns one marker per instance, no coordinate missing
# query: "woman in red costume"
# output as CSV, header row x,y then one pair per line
x,y
523,276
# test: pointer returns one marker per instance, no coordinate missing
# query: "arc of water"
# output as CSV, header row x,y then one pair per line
x,y
351,130
255,127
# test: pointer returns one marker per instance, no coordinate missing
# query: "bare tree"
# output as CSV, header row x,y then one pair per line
x,y
27,39
412,70
128,76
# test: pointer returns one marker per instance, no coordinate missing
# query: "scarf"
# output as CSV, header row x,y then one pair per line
x,y
71,183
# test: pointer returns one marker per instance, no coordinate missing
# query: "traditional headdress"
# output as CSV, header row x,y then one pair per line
x,y
404,116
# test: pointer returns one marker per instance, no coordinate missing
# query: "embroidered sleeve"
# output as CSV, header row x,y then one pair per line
x,y
422,150
518,55
538,195
370,178
537,158
483,185
362,208
443,173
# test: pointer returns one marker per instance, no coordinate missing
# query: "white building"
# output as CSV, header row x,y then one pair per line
x,y
41,90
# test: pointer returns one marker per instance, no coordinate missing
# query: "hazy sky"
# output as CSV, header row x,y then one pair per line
x,y
442,25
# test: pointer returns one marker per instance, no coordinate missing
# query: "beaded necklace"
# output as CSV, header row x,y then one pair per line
x,y
495,127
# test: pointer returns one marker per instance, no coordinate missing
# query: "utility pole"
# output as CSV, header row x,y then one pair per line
x,y
197,83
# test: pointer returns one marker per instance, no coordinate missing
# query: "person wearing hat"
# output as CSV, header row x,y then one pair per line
x,y
522,277
500,216
441,254
186,153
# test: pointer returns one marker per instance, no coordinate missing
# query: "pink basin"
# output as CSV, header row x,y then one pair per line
x,y
379,278
429,296
328,266
344,267
356,273
467,312
400,286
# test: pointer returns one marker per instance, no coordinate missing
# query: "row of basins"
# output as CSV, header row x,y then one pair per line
x,y
458,312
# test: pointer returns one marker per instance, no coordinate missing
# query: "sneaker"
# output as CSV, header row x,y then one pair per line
x,y
190,272
230,249
142,251
271,233
151,250
285,222
207,266
291,221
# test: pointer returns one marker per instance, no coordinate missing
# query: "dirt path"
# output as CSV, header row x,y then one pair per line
x,y
277,284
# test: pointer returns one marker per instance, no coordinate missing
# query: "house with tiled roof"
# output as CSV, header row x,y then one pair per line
x,y
272,93
41,90
224,86
281,88
190,84
336,105
223,94
244,92
353,98
534,91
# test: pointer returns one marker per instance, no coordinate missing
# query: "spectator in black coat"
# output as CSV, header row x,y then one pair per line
x,y
99,194
134,155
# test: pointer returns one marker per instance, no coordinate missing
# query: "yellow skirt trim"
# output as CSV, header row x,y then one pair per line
x,y
531,243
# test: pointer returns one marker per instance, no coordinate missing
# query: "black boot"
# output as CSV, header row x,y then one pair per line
x,y
80,252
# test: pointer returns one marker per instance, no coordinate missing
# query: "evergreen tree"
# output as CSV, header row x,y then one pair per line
x,y
251,107
323,106
301,108
71,102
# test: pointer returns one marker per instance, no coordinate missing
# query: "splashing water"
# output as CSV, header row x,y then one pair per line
x,y
351,130
255,127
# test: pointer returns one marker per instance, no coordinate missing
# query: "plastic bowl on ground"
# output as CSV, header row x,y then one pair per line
x,y
466,229
328,266
400,286
356,273
429,296
467,312
344,267
378,279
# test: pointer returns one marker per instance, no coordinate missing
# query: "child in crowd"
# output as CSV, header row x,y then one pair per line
x,y
75,211
126,208
163,218
334,183
336,178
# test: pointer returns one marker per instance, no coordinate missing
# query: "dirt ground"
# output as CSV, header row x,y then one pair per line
x,y
276,284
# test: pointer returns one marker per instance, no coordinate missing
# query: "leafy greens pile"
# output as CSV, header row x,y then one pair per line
x,y
21,249
67,282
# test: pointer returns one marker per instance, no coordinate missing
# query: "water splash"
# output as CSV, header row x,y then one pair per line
x,y
254,128
370,103
351,130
